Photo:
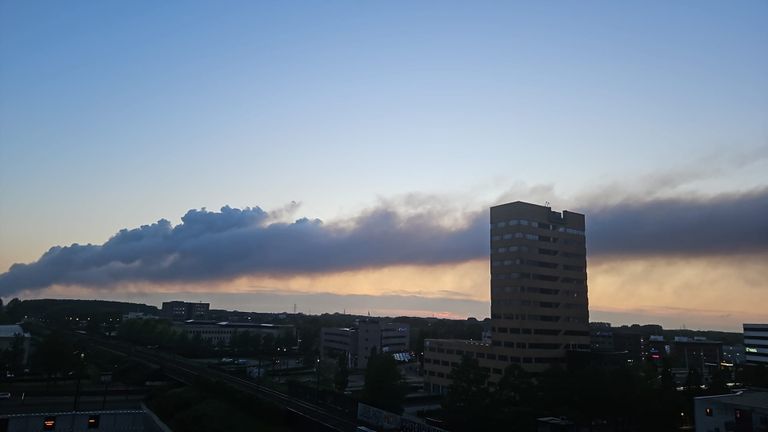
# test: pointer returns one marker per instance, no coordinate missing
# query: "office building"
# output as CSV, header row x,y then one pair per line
x,y
601,337
182,311
756,343
538,284
539,305
220,333
367,336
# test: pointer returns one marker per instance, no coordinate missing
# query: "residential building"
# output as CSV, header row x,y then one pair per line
x,y
756,343
366,337
182,311
746,410
539,305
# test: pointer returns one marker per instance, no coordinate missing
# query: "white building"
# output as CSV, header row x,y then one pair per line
x,y
357,343
220,333
8,336
756,343
746,410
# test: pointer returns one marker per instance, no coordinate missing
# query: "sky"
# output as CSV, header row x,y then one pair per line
x,y
342,156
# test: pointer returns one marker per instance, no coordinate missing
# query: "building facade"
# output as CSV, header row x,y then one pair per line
x,y
182,311
14,337
220,333
539,303
756,343
367,336
746,410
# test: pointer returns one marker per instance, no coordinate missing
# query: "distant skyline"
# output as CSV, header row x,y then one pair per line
x,y
380,120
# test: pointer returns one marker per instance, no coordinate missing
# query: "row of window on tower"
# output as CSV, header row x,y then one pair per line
x,y
536,290
537,317
538,277
534,263
540,225
536,237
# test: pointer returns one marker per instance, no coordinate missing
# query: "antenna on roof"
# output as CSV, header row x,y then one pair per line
x,y
547,203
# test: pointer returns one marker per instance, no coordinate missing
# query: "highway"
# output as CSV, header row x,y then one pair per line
x,y
187,371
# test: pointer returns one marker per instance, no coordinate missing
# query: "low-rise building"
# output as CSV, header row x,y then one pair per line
x,y
132,420
138,315
220,333
601,337
14,337
357,343
629,343
442,355
745,410
182,311
686,352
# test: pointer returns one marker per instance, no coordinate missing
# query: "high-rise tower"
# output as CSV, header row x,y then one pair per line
x,y
539,305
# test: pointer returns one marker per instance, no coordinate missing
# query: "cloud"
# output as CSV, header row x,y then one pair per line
x,y
724,224
232,243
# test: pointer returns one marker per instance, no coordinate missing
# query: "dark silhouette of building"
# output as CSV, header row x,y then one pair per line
x,y
182,311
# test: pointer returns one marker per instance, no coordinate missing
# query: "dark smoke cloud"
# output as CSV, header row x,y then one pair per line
x,y
232,242
725,224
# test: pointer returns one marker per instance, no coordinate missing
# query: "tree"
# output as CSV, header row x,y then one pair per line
x,y
341,380
384,387
466,402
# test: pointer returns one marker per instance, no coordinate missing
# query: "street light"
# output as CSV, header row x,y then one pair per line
x,y
317,380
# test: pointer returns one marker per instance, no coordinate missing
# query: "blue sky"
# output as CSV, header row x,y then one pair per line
x,y
116,114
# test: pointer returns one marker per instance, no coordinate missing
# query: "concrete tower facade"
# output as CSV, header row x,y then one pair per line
x,y
539,303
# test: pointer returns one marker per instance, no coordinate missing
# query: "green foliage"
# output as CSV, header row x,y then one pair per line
x,y
154,332
56,354
341,380
753,375
384,387
97,314
468,397
11,359
626,399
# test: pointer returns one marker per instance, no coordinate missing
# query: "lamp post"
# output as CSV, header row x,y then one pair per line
x,y
317,380
78,371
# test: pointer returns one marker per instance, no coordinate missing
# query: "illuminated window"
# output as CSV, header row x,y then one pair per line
x,y
708,411
93,422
